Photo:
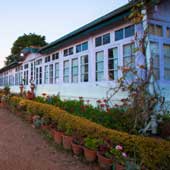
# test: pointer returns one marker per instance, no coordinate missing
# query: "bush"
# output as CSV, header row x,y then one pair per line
x,y
113,118
152,153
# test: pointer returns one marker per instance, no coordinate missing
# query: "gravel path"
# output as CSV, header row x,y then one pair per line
x,y
23,148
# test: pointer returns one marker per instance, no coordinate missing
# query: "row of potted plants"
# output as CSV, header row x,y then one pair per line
x,y
144,148
93,149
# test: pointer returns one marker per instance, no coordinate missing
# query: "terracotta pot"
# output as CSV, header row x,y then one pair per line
x,y
67,140
90,155
119,167
104,162
57,135
77,149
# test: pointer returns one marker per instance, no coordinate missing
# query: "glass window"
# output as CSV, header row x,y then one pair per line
x,y
129,59
118,34
55,56
84,68
26,77
56,72
98,41
46,74
74,71
168,32
47,59
156,59
155,30
113,64
167,61
66,52
71,51
40,75
100,66
78,48
66,72
36,75
129,31
51,73
85,46
106,39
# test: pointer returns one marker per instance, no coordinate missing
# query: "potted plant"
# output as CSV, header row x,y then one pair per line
x,y
57,132
77,144
104,157
90,149
67,137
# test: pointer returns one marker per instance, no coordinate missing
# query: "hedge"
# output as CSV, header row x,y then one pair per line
x,y
153,153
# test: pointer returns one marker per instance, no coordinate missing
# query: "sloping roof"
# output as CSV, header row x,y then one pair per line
x,y
10,66
99,23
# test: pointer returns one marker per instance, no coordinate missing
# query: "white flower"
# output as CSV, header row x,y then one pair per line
x,y
119,147
124,154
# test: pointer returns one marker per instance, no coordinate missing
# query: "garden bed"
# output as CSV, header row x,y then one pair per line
x,y
151,153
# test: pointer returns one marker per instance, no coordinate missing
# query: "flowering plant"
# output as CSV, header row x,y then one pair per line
x,y
108,150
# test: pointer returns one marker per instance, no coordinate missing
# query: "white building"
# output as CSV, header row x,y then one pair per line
x,y
85,62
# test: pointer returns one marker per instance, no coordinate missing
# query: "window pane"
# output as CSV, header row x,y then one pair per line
x,y
151,29
78,48
85,46
75,70
129,31
66,72
71,51
98,41
51,73
168,32
106,38
84,68
56,72
66,52
166,62
119,35
100,66
158,30
156,58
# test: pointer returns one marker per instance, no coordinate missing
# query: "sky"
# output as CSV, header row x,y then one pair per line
x,y
51,18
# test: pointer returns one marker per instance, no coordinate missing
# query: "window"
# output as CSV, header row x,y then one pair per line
x,y
156,59
11,80
36,75
156,30
74,71
168,32
51,73
32,71
55,56
167,61
47,59
119,35
100,66
40,75
82,47
129,59
129,31
38,62
84,68
46,75
56,72
102,40
125,32
68,51
113,64
26,77
26,66
66,72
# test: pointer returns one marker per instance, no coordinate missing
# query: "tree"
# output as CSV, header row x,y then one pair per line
x,y
143,91
23,41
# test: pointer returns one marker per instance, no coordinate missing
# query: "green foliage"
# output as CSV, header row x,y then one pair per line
x,y
6,90
114,118
22,42
154,154
92,143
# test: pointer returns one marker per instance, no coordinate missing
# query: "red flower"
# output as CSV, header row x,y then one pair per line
x,y
102,105
98,101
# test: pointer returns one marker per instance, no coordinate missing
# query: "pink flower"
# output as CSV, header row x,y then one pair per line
x,y
98,101
119,147
124,154
102,105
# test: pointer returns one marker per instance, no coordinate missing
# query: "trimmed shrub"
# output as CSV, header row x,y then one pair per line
x,y
153,154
